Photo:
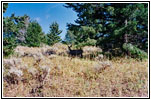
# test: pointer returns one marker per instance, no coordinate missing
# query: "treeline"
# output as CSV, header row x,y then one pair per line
x,y
118,28
20,30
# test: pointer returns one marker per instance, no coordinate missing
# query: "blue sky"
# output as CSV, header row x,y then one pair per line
x,y
44,13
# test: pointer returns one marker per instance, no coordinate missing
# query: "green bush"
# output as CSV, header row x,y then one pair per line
x,y
9,43
9,32
134,51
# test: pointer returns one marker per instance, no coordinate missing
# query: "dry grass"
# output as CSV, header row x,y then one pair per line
x,y
76,77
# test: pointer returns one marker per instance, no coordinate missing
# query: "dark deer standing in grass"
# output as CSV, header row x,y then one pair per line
x,y
77,52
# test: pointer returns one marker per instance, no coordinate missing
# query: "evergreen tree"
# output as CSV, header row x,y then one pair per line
x,y
53,35
13,27
44,38
113,24
9,32
87,26
9,43
5,6
81,36
9,39
33,35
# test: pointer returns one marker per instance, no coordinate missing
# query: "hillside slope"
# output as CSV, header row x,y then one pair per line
x,y
63,76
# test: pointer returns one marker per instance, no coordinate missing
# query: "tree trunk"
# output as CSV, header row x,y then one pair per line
x,y
125,35
126,38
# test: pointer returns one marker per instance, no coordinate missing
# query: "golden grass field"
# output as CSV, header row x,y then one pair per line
x,y
77,77
39,75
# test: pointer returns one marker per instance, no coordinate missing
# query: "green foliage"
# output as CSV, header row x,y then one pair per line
x,y
44,38
9,25
89,42
9,43
18,25
110,25
81,37
17,30
134,51
70,37
5,6
22,25
53,35
33,36
9,32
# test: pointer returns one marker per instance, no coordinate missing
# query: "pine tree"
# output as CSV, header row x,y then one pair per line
x,y
9,43
44,38
87,27
53,35
5,6
9,35
114,24
33,35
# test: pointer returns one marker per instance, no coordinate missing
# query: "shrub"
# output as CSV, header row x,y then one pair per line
x,y
9,43
91,51
102,66
134,51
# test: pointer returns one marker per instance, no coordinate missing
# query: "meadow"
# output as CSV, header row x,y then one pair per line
x,y
60,75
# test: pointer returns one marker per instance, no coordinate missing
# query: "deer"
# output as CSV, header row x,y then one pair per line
x,y
77,52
